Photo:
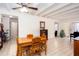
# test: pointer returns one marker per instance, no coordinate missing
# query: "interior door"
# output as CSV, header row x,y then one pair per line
x,y
14,28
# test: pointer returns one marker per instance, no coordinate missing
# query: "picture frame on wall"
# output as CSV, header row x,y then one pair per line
x,y
42,25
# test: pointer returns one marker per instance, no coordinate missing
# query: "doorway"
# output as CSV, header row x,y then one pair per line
x,y
56,27
10,24
13,28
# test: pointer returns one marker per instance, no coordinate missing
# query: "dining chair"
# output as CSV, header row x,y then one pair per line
x,y
18,49
36,46
26,48
30,36
43,35
44,44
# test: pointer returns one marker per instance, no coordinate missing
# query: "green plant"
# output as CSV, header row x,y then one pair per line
x,y
62,33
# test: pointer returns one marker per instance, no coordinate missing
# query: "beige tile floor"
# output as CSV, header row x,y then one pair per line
x,y
56,47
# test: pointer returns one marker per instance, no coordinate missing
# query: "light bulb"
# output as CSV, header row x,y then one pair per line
x,y
23,9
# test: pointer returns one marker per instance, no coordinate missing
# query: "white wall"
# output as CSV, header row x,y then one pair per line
x,y
31,24
6,23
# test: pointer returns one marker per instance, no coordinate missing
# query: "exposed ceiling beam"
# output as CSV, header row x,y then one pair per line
x,y
72,12
55,8
66,10
42,10
65,17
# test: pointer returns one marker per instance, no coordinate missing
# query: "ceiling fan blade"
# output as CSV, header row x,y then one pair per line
x,y
22,4
25,5
16,8
33,8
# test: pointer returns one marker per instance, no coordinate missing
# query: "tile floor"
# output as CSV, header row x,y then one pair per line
x,y
56,47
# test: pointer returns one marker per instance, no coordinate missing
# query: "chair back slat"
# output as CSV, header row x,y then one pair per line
x,y
36,40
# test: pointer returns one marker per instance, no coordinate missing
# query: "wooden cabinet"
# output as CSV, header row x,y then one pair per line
x,y
45,31
76,47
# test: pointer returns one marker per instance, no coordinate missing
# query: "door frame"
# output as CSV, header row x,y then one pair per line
x,y
57,28
17,25
10,23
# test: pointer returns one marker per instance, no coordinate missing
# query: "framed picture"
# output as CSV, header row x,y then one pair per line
x,y
42,25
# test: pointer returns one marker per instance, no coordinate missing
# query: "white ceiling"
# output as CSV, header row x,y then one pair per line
x,y
50,10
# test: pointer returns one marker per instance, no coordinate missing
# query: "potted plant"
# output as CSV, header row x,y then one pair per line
x,y
62,33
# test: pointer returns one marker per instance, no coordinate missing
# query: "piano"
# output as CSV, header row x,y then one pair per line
x,y
74,35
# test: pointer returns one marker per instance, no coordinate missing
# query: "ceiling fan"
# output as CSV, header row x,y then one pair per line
x,y
26,6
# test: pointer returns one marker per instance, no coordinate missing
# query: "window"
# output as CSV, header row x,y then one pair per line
x,y
76,25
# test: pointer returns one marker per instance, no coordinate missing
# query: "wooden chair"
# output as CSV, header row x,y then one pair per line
x,y
44,44
21,50
30,36
43,35
18,49
36,46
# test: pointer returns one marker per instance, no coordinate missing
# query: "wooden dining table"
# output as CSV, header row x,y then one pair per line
x,y
24,42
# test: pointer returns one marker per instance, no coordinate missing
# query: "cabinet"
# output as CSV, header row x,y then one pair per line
x,y
45,31
76,47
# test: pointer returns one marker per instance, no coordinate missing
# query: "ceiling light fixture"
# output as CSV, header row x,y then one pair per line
x,y
23,9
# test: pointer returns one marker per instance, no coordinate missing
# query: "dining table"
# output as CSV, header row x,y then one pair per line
x,y
24,42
